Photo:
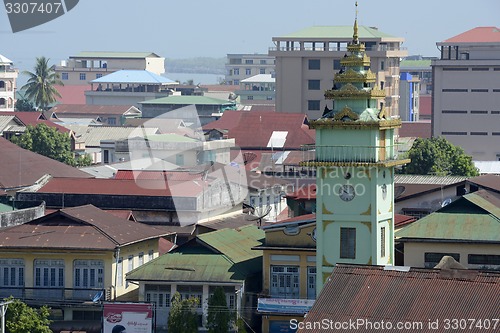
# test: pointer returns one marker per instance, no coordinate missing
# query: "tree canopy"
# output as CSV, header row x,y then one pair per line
x,y
40,86
219,316
438,156
182,317
48,141
21,318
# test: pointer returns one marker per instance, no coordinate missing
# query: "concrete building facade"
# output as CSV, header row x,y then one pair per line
x,y
307,60
466,92
87,66
242,66
8,77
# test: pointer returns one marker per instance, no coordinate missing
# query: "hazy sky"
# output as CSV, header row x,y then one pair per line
x,y
186,29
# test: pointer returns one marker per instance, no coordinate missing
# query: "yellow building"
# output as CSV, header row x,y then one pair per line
x,y
73,259
289,272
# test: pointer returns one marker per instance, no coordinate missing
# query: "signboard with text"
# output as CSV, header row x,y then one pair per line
x,y
281,305
127,318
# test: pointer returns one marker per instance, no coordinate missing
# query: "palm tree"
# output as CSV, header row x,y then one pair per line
x,y
40,86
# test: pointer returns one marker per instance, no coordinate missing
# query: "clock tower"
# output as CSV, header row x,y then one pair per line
x,y
354,156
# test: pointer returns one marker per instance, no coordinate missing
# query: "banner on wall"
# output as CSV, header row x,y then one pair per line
x,y
127,318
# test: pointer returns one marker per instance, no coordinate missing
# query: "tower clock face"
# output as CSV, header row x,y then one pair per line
x,y
346,192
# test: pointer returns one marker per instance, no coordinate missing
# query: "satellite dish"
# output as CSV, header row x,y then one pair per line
x,y
232,96
446,202
97,297
398,191
258,214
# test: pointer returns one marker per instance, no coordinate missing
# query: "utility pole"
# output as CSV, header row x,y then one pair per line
x,y
4,306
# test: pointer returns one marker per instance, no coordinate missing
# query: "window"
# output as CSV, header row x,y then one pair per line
x,y
311,282
159,295
382,65
454,111
336,64
11,274
263,62
249,61
382,242
112,121
191,292
49,273
98,75
348,243
130,263
250,98
236,82
141,259
454,133
484,260
248,71
88,274
285,281
382,85
262,71
455,69
479,90
64,76
150,255
478,133
454,90
431,259
314,64
119,272
83,76
236,71
313,105
313,84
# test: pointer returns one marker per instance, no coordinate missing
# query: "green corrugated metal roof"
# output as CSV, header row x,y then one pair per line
x,y
235,261
415,64
188,100
472,218
236,244
5,208
99,54
343,31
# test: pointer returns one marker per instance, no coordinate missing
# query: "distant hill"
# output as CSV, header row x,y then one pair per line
x,y
201,65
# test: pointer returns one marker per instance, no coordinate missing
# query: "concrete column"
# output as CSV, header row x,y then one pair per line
x,y
204,306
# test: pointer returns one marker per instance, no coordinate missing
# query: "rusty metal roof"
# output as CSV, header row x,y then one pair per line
x,y
370,293
85,227
491,182
473,217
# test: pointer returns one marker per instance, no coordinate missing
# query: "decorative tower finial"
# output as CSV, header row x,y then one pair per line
x,y
355,35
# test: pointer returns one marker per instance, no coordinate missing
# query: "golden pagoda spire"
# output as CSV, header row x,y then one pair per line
x,y
355,35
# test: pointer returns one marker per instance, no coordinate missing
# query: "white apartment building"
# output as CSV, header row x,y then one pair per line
x,y
242,66
8,76
466,92
257,90
307,60
84,67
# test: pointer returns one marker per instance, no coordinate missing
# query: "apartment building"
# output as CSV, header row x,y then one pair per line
x,y
242,66
409,97
307,60
8,76
466,92
84,67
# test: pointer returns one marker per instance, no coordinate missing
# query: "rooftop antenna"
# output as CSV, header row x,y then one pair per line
x,y
258,214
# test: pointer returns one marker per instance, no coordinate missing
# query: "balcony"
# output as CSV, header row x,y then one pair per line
x,y
60,295
314,155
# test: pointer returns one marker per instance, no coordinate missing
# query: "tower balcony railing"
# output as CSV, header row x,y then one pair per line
x,y
318,155
56,294
333,48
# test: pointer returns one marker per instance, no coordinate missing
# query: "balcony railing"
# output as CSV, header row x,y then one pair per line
x,y
56,294
333,48
316,154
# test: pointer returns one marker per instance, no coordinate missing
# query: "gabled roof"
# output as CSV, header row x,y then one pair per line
x,y
477,35
259,78
220,256
21,167
5,61
69,109
475,217
105,54
271,130
392,295
491,182
132,76
28,118
188,100
236,244
337,32
84,227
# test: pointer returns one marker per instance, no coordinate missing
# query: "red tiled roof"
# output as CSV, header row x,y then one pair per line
x,y
415,129
21,167
83,227
425,105
121,213
157,175
401,220
72,94
372,294
253,129
477,35
33,118
63,110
